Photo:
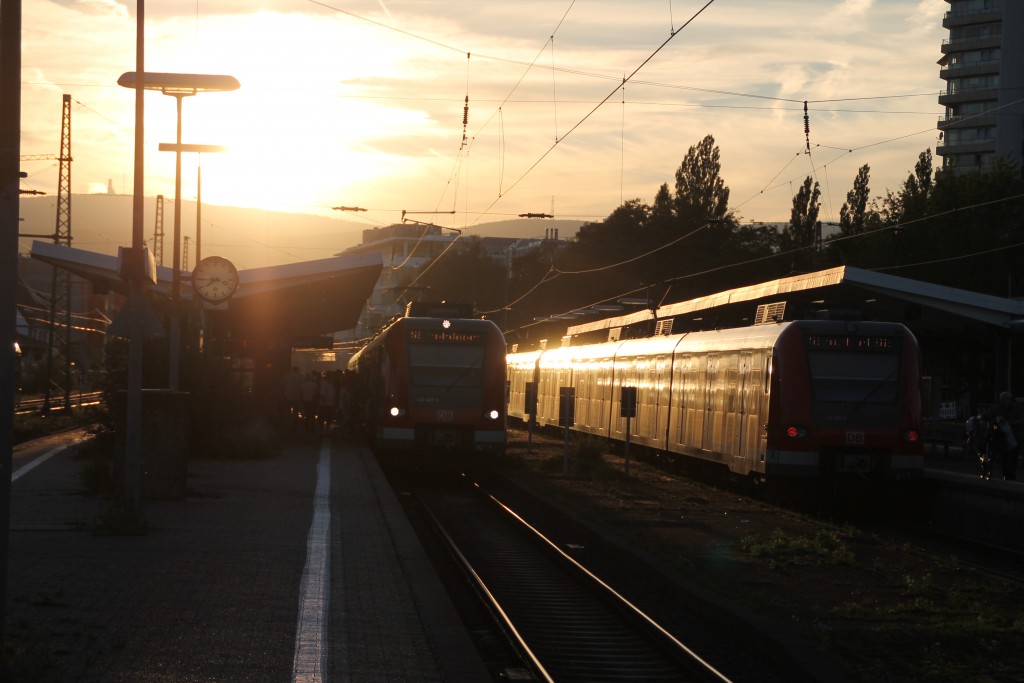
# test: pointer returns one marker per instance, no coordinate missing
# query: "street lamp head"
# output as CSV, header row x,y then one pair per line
x,y
180,84
188,147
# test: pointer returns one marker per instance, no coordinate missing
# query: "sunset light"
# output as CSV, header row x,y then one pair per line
x,y
489,109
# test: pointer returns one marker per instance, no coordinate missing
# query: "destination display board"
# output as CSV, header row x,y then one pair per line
x,y
445,336
851,342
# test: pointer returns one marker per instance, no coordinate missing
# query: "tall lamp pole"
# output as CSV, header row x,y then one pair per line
x,y
199,149
10,176
178,86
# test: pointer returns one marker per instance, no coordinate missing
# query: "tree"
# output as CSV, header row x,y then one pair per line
x,y
702,215
804,229
974,235
663,213
620,229
854,216
701,194
911,201
467,274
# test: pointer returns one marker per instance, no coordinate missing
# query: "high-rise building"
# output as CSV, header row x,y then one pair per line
x,y
983,67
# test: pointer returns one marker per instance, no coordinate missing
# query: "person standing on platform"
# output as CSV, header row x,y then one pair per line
x,y
291,394
327,400
344,404
1008,414
309,387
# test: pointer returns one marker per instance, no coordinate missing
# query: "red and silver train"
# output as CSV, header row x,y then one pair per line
x,y
808,398
432,383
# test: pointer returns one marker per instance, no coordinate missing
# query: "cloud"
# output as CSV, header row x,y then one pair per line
x,y
95,7
849,12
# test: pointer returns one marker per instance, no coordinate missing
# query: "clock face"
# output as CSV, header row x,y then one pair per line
x,y
215,279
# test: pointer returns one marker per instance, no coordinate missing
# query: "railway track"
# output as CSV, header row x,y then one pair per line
x,y
34,404
565,622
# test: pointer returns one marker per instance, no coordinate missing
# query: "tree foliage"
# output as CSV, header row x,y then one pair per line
x,y
469,275
688,243
800,236
855,214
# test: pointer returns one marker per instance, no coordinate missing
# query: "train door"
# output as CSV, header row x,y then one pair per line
x,y
581,381
664,399
727,407
555,372
653,411
745,388
709,381
692,438
647,399
756,415
679,414
625,376
589,396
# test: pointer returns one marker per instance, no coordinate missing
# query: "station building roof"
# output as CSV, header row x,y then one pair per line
x,y
288,301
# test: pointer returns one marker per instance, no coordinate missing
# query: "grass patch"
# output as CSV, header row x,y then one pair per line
x,y
586,460
780,549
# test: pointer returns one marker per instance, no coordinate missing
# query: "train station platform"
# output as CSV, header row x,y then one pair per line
x,y
299,567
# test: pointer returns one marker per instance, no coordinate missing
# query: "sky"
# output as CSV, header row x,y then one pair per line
x,y
573,105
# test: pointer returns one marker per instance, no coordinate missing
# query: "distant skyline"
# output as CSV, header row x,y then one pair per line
x,y
361,103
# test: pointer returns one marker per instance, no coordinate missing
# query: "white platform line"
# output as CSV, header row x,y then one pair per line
x,y
25,469
310,661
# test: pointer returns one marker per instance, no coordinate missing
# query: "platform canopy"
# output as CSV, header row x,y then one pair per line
x,y
843,292
290,301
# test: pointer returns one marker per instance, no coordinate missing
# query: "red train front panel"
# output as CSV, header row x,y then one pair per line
x,y
845,400
442,386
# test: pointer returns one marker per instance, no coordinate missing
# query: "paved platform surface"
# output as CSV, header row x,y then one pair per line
x,y
226,582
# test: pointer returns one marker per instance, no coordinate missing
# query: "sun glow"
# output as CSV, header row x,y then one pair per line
x,y
298,138
335,108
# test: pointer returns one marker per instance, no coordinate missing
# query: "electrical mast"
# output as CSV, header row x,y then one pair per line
x,y
158,231
58,348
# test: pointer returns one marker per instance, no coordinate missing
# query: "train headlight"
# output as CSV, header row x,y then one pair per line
x,y
494,414
395,411
795,432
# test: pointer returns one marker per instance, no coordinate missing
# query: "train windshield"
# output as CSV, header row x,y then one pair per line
x,y
846,376
446,367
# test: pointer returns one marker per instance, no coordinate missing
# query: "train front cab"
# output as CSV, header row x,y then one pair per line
x,y
439,388
845,403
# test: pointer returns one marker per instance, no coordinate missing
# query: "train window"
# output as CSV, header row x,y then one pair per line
x,y
854,377
445,366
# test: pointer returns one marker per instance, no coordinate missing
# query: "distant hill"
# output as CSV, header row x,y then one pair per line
x,y
251,238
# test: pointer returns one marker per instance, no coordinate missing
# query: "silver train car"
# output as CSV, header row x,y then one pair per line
x,y
790,400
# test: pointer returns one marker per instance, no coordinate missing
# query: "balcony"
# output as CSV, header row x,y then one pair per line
x,y
950,45
946,148
983,120
977,94
954,18
969,68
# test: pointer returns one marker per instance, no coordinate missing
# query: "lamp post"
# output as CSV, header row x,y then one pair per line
x,y
198,149
178,86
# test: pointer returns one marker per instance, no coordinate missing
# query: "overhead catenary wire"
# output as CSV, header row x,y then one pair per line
x,y
452,243
570,131
834,240
601,103
563,71
561,68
